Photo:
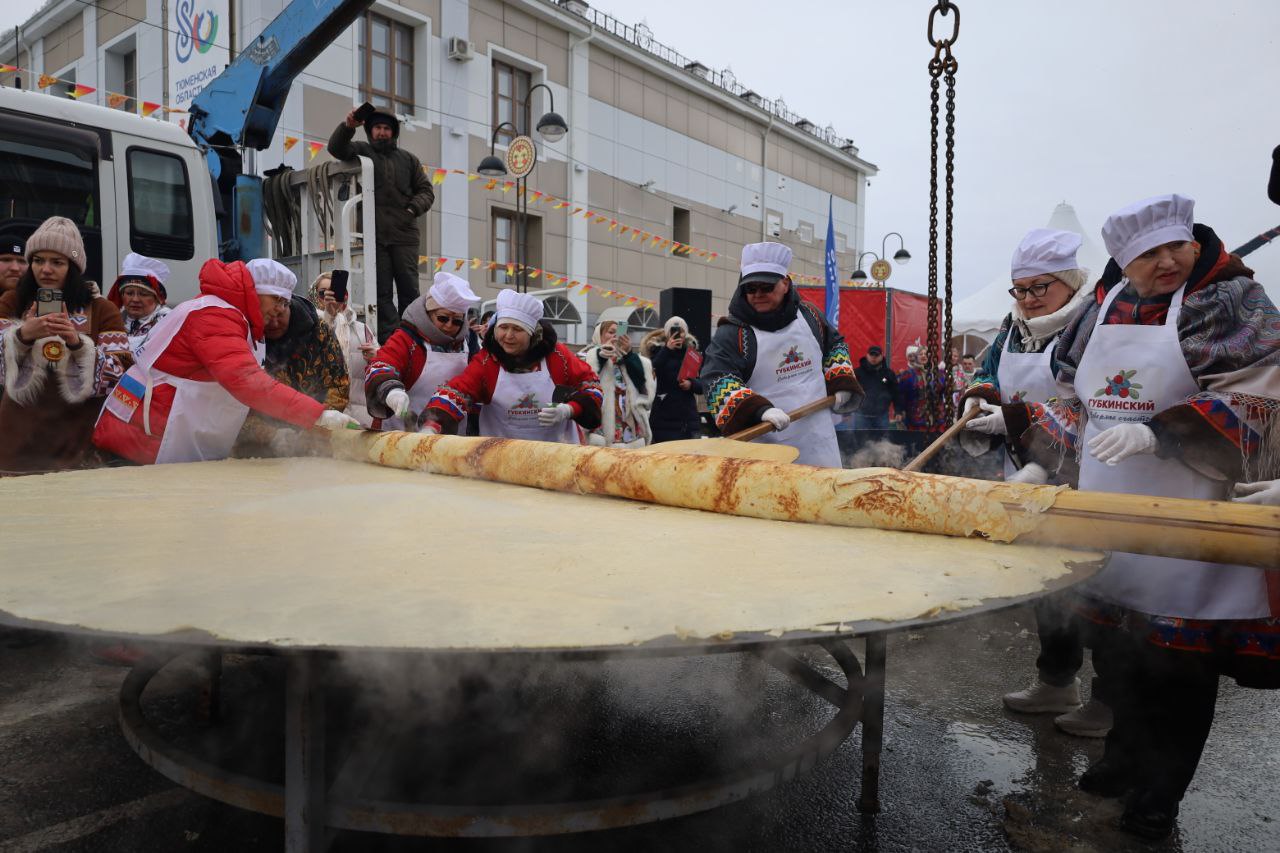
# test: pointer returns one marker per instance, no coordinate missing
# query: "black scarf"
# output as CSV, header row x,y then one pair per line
x,y
543,343
302,323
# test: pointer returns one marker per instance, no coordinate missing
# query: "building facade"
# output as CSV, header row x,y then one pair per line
x,y
657,143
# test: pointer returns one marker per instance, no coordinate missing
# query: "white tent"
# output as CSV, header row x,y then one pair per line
x,y
981,313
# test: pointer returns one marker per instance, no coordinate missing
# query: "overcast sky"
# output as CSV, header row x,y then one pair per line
x,y
1095,102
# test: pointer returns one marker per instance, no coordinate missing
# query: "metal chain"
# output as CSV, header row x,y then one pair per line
x,y
942,67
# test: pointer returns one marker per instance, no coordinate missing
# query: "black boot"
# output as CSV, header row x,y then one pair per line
x,y
1150,814
1109,777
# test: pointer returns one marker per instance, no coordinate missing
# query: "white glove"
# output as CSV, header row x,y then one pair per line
x,y
780,419
1262,493
398,402
429,427
557,414
282,442
970,403
1031,474
329,419
992,423
1116,444
841,405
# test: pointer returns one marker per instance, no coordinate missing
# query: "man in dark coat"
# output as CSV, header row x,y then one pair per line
x,y
880,384
402,193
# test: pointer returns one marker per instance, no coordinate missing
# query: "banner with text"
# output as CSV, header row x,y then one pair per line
x,y
199,48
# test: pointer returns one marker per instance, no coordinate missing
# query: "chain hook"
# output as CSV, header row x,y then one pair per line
x,y
944,8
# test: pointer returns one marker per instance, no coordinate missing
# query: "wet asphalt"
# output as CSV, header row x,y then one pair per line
x,y
958,771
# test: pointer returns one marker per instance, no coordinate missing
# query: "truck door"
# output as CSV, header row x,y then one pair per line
x,y
155,210
49,169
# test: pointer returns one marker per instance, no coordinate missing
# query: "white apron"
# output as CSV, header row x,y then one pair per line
x,y
440,367
1145,372
788,371
513,410
1025,377
205,419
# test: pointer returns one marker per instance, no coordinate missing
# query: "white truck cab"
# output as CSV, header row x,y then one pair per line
x,y
131,184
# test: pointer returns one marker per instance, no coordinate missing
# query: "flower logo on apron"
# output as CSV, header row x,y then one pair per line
x,y
1121,385
793,363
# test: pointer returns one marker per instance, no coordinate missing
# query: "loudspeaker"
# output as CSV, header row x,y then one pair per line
x,y
691,303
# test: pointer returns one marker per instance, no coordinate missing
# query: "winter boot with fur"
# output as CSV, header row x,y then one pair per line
x,y
1041,698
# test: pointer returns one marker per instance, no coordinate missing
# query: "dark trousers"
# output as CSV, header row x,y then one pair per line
x,y
397,281
661,434
1163,702
1061,646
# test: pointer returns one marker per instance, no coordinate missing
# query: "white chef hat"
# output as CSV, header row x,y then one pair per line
x,y
1145,224
912,349
764,262
519,308
451,293
140,266
271,278
1044,251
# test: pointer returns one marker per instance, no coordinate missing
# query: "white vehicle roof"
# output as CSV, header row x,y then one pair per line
x,y
41,105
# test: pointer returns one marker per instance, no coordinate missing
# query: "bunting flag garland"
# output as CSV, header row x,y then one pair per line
x,y
551,279
7,69
80,91
45,81
314,148
438,176
149,107
289,142
116,100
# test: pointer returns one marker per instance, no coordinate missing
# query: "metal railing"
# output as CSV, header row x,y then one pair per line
x,y
642,37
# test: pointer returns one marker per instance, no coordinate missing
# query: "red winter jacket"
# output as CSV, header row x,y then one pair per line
x,y
212,346
474,386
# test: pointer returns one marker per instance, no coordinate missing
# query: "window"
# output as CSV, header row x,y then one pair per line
x,y
160,221
804,232
386,63
511,98
773,224
512,242
680,229
122,77
129,63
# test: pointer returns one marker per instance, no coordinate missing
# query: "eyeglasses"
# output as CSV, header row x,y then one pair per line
x,y
759,287
447,320
1040,288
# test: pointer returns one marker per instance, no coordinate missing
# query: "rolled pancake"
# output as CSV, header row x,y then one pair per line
x,y
326,553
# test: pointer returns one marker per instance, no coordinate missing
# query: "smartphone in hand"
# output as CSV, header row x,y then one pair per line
x,y
48,301
364,111
338,284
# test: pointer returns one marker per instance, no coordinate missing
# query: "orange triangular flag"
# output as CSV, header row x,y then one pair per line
x,y
440,262
511,269
149,107
315,148
437,177
560,205
459,264
115,100
536,195
507,185
613,224
493,182
535,272
80,91
45,81
422,259
475,263
289,142
5,69
471,176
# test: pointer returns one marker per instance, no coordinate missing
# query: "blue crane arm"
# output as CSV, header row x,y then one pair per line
x,y
241,107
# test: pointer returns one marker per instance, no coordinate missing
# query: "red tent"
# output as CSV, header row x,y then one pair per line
x,y
892,319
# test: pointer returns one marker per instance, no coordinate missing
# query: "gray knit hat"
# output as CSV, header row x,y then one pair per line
x,y
58,234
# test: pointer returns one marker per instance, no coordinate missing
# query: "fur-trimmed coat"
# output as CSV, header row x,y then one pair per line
x,y
49,405
639,385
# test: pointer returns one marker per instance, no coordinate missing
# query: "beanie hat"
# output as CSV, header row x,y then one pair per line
x,y
58,234
13,239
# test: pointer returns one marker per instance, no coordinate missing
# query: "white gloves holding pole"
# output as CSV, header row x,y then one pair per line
x,y
992,423
1031,474
329,419
1115,444
1262,493
398,402
775,416
841,405
557,414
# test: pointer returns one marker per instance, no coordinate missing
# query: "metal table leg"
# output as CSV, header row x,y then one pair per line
x,y
872,724
304,771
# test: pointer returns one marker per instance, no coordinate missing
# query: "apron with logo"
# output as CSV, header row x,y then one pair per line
x,y
440,367
788,371
513,410
1025,377
1129,374
204,420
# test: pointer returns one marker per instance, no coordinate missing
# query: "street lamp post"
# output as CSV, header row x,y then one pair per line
x,y
552,128
881,269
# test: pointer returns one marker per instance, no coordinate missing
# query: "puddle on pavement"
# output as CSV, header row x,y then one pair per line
x,y
993,757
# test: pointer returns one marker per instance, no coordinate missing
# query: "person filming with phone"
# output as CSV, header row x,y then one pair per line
x,y
61,351
402,193
628,385
676,361
329,294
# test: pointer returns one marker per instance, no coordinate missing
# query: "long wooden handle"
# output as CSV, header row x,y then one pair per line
x,y
941,441
764,426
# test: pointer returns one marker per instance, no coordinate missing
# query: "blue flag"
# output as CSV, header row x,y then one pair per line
x,y
833,273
